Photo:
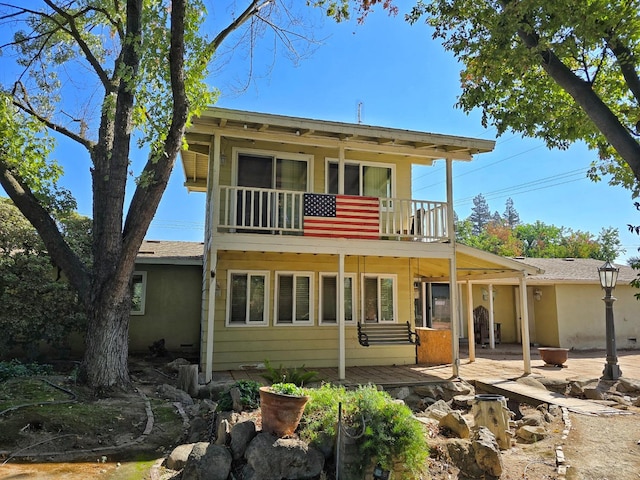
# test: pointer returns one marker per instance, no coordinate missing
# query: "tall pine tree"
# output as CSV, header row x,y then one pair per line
x,y
480,214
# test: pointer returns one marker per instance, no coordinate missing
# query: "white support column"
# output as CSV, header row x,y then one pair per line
x,y
341,170
341,314
492,335
213,197
470,326
453,274
524,320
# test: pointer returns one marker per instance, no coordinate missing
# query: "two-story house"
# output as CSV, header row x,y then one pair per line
x,y
311,229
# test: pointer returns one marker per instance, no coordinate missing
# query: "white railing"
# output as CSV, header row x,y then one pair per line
x,y
248,209
264,210
420,220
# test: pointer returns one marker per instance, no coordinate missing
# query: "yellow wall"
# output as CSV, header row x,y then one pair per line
x,y
313,345
172,309
581,316
545,312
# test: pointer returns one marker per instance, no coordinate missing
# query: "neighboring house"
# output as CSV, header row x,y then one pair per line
x,y
311,228
167,297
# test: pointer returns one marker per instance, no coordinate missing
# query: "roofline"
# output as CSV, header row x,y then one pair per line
x,y
168,261
303,125
492,257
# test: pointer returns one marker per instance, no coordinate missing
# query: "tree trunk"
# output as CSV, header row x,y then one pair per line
x,y
105,366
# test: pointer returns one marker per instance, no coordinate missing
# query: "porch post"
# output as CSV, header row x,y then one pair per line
x,y
213,195
470,326
453,274
341,313
492,336
524,320
341,170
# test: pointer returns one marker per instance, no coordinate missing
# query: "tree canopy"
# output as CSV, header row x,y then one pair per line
x,y
110,75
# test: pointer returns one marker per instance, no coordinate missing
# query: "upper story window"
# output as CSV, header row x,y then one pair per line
x,y
294,300
247,301
379,298
361,178
138,293
273,170
329,298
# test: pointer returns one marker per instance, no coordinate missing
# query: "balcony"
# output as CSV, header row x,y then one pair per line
x,y
263,210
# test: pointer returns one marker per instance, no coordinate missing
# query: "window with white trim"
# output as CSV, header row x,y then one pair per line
x,y
294,298
247,298
379,298
362,179
329,298
138,293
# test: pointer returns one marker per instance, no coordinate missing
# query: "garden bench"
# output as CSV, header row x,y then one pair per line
x,y
386,334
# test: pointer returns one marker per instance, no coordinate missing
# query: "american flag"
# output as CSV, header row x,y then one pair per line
x,y
342,216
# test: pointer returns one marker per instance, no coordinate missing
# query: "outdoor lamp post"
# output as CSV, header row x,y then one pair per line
x,y
608,276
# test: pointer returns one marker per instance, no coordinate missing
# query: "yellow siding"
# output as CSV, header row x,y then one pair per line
x,y
313,345
546,317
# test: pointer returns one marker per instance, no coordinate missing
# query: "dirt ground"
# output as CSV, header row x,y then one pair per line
x,y
67,424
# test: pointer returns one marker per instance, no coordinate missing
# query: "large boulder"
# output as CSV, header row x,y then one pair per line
x,y
456,423
178,457
531,433
241,434
486,452
272,458
207,462
175,395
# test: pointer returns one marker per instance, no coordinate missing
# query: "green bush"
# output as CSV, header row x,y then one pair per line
x,y
249,395
390,433
297,375
287,389
15,368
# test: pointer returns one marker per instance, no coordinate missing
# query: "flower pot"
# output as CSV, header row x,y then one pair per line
x,y
554,355
280,413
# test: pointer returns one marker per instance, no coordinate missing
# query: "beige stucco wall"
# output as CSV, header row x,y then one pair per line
x,y
545,314
313,345
172,309
581,316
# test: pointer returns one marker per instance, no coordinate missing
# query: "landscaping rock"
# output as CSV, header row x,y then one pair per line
x,y
174,366
535,419
241,434
593,393
531,433
486,452
463,401
177,459
462,456
456,423
282,458
531,382
175,395
437,410
627,385
553,385
207,462
223,431
198,430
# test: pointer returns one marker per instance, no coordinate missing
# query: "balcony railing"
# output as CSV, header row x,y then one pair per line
x,y
263,210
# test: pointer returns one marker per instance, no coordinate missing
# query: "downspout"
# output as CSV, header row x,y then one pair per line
x,y
213,194
470,325
453,275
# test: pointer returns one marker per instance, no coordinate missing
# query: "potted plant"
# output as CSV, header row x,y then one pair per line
x,y
282,406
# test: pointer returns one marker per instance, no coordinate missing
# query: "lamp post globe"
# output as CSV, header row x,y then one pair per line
x,y
608,275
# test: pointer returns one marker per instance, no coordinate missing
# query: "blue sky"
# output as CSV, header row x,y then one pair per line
x,y
402,79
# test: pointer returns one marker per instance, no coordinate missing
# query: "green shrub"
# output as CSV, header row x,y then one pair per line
x,y
15,368
287,389
297,375
249,395
390,433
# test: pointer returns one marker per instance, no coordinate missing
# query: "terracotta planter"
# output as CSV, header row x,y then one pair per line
x,y
281,414
554,355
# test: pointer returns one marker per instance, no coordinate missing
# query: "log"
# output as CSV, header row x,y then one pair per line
x,y
188,379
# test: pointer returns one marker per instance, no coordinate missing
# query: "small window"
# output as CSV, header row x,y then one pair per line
x,y
362,179
294,298
247,299
138,292
329,298
379,298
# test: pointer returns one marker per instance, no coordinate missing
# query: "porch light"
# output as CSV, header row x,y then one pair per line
x,y
608,277
537,294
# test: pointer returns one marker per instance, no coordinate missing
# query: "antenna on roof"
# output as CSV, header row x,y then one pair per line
x,y
360,105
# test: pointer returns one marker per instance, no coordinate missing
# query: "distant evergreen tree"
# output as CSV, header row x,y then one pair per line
x,y
510,215
496,218
480,214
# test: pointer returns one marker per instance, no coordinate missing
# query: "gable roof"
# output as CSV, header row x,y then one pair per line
x,y
572,270
165,252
